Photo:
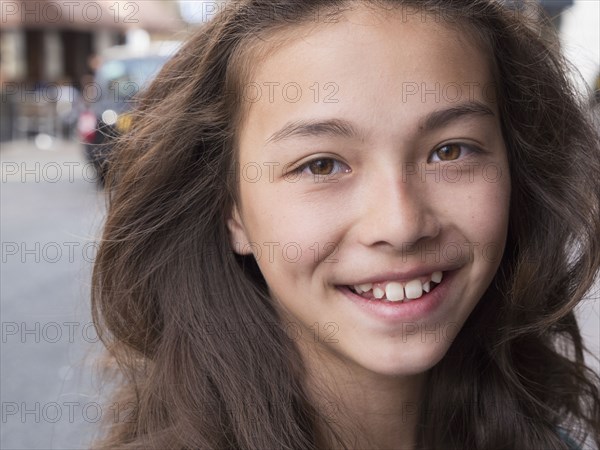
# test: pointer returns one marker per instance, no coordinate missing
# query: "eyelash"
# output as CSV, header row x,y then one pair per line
x,y
304,166
468,147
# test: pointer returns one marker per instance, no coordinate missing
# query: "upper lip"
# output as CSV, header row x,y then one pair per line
x,y
400,276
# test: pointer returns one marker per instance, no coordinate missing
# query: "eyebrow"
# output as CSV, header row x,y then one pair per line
x,y
315,128
439,119
344,128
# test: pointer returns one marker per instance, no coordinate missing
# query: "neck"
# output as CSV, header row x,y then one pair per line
x,y
365,409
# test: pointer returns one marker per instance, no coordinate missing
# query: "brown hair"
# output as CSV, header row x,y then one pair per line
x,y
192,328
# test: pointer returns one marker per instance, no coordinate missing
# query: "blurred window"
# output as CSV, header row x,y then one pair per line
x,y
120,80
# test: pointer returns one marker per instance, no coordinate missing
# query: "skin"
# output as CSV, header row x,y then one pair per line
x,y
371,216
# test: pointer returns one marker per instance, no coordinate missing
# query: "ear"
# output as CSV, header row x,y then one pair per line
x,y
237,234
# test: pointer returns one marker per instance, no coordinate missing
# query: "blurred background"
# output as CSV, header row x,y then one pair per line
x,y
69,72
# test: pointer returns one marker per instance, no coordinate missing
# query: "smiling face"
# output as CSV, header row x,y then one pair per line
x,y
371,153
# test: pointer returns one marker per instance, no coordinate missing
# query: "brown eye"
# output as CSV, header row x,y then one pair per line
x,y
448,152
322,166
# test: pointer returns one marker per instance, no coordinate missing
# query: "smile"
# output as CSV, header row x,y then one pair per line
x,y
395,291
417,297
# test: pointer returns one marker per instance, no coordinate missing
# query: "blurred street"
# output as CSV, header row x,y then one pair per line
x,y
51,212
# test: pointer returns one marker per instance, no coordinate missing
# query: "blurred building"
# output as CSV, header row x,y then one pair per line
x,y
49,50
555,8
50,41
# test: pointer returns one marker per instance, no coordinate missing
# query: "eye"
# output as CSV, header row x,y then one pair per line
x,y
451,152
323,167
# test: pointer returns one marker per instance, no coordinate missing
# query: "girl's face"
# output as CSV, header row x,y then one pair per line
x,y
372,154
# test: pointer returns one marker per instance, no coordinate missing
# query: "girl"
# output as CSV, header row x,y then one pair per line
x,y
341,224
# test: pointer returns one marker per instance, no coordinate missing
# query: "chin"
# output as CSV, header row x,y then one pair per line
x,y
406,362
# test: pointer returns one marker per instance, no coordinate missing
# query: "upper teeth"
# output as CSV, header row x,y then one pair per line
x,y
396,291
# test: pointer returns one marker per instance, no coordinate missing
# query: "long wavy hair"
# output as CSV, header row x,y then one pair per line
x,y
200,359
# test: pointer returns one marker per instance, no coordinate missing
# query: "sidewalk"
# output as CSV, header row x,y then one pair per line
x,y
53,161
26,150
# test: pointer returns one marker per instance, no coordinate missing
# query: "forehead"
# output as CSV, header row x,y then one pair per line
x,y
371,66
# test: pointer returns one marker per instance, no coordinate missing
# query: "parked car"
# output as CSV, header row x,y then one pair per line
x,y
112,96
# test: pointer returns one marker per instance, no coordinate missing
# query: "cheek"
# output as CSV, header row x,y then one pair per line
x,y
290,235
475,215
481,205
489,211
490,206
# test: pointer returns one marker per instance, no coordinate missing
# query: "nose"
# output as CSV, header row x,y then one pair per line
x,y
396,212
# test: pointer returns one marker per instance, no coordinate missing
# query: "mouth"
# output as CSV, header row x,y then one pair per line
x,y
396,291
396,301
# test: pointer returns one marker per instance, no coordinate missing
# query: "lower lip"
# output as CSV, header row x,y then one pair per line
x,y
414,310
